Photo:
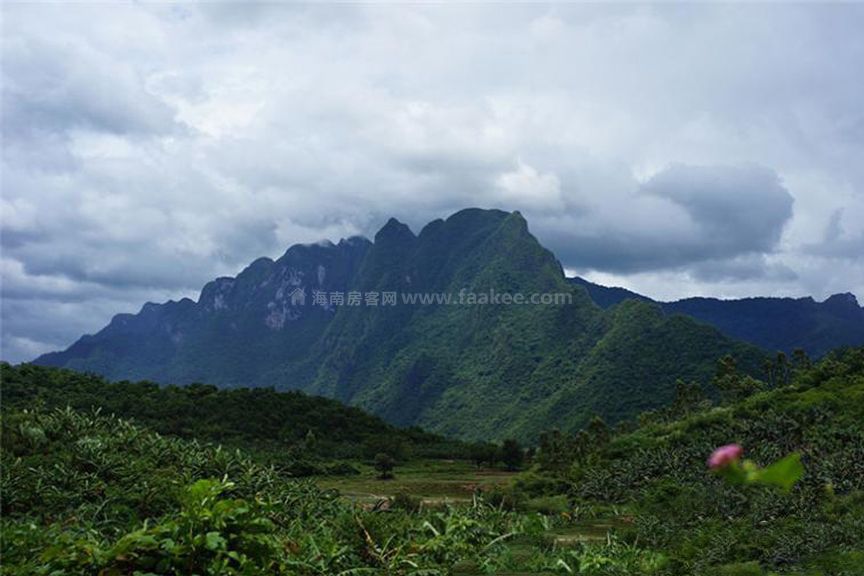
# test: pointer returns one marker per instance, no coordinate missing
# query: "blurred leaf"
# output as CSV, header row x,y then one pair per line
x,y
214,540
784,473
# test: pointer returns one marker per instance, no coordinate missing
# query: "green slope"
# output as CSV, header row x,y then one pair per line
x,y
294,430
92,494
658,474
498,371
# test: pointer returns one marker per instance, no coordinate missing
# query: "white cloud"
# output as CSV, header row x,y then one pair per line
x,y
148,147
524,187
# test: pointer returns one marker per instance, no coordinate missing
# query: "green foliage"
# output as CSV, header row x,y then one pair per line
x,y
405,501
484,453
384,464
784,473
209,535
548,504
92,494
301,434
808,438
512,454
739,569
732,384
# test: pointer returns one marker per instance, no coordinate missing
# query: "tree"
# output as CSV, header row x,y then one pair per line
x,y
727,367
783,369
384,464
511,454
484,453
598,432
556,451
800,359
733,385
688,398
768,371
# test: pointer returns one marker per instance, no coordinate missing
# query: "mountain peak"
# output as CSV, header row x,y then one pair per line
x,y
477,217
394,231
517,221
354,241
843,302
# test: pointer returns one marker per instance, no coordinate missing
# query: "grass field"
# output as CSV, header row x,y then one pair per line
x,y
438,483
434,482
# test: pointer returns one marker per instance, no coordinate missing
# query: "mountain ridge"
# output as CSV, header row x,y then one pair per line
x,y
773,323
477,372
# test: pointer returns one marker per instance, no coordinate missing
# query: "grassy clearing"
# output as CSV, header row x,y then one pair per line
x,y
440,482
435,482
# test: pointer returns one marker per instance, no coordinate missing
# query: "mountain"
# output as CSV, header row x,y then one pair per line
x,y
238,325
607,296
770,323
453,366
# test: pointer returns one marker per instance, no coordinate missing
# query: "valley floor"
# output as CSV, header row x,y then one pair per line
x,y
433,482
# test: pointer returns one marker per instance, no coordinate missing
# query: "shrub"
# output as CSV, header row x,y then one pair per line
x,y
407,502
548,505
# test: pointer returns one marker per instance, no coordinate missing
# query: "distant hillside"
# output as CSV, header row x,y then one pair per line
x,y
471,371
286,425
770,323
607,296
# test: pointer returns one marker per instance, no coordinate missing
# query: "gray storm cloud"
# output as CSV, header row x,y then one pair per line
x,y
677,150
696,214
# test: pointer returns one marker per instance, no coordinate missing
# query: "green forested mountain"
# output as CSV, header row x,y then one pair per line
x,y
475,371
295,430
784,324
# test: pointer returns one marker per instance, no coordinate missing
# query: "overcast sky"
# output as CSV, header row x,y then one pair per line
x,y
674,150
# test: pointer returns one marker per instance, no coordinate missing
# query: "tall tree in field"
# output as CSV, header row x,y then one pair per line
x,y
511,454
384,464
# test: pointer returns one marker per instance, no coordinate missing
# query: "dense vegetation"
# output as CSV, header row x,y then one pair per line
x,y
86,492
657,473
783,324
302,434
475,372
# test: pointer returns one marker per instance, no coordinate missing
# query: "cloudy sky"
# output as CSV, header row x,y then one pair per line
x,y
674,150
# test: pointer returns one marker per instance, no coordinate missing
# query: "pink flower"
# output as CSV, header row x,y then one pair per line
x,y
724,456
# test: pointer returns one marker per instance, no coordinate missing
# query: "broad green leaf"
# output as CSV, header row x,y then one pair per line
x,y
784,473
214,540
